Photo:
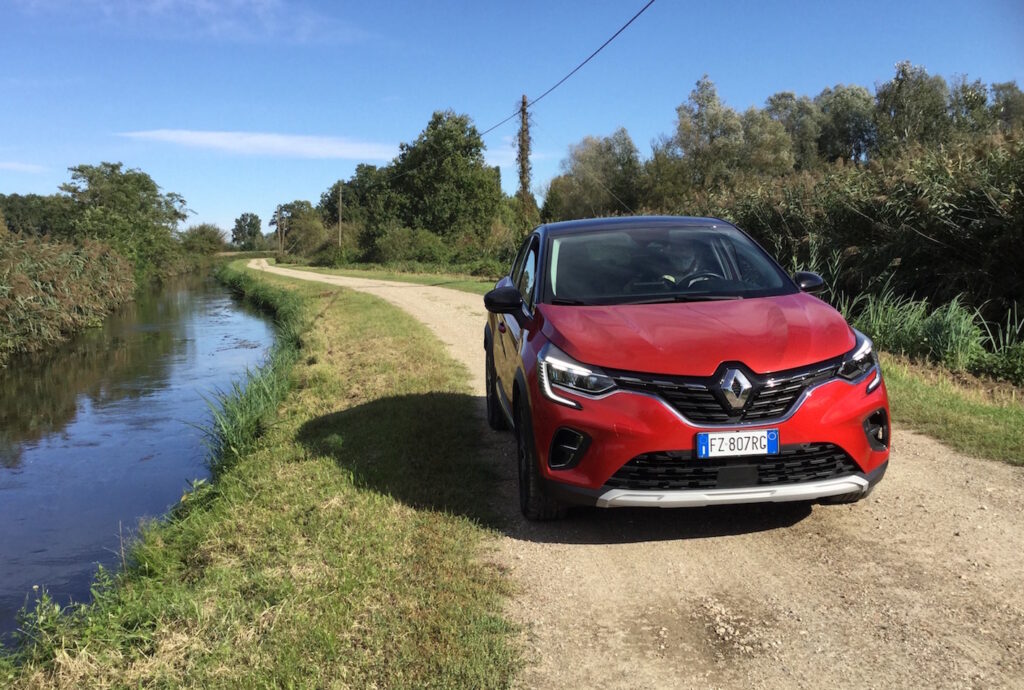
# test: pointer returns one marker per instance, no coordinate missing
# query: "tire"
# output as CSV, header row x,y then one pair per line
x,y
495,416
533,502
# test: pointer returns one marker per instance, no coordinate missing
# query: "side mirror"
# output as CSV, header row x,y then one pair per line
x,y
504,300
809,282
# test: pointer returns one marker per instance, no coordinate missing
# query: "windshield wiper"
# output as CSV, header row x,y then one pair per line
x,y
667,299
568,302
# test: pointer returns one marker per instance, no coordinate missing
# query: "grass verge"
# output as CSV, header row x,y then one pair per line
x,y
966,418
339,545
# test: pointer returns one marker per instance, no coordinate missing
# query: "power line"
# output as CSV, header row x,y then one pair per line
x,y
561,81
574,71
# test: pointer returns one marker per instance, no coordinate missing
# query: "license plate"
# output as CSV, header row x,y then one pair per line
x,y
732,443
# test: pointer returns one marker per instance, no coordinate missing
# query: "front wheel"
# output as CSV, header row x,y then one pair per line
x,y
533,502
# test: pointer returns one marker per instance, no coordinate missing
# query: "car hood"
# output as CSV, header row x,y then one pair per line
x,y
767,334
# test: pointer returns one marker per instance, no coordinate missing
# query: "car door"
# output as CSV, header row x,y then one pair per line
x,y
510,334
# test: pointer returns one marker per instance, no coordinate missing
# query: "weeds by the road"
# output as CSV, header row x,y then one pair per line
x,y
967,417
340,548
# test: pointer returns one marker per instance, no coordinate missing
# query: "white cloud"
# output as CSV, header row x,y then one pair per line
x,y
270,144
13,166
231,20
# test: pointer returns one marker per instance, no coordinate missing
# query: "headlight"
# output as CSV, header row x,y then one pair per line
x,y
557,369
860,360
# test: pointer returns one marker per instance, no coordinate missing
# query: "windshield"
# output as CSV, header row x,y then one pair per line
x,y
650,265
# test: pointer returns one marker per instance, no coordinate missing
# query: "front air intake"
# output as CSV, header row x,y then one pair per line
x,y
877,429
567,448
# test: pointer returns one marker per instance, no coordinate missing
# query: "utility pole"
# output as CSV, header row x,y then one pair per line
x,y
341,187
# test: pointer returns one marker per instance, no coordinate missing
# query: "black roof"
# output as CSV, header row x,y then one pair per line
x,y
624,222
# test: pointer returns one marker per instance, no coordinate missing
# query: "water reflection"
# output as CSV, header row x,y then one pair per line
x,y
102,433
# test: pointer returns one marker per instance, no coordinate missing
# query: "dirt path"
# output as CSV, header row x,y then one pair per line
x,y
921,585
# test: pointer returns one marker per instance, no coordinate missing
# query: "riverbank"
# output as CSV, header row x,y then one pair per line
x,y
339,542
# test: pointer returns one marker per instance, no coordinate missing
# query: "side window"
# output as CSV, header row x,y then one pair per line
x,y
528,280
517,263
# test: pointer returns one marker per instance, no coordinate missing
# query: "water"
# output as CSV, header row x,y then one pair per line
x,y
101,433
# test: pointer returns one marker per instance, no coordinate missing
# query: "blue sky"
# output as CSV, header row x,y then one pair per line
x,y
239,105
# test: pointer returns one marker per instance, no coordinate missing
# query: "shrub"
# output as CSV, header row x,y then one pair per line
x,y
205,238
49,290
406,244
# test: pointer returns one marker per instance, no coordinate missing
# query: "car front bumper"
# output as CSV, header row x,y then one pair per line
x,y
625,425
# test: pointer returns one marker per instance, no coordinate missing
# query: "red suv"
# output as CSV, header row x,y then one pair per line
x,y
662,361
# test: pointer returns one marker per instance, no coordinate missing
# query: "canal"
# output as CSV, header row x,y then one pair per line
x,y
105,432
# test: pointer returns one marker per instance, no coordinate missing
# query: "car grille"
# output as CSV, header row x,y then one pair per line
x,y
678,470
700,400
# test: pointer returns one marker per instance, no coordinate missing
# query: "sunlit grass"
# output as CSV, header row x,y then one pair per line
x,y
963,417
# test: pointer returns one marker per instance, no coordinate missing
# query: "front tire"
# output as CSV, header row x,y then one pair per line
x,y
533,502
495,416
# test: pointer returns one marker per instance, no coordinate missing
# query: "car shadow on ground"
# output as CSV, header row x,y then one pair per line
x,y
432,451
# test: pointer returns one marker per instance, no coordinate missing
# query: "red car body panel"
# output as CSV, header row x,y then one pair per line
x,y
692,339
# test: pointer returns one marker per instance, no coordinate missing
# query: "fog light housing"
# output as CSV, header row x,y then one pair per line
x,y
876,428
567,448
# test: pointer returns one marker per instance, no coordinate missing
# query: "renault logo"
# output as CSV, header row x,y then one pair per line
x,y
736,388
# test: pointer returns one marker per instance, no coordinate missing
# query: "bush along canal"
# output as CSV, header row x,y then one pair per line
x,y
106,432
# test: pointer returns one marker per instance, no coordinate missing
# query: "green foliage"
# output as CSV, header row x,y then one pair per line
x,y
802,119
127,210
406,244
847,126
708,137
299,226
205,238
601,177
246,235
1008,106
911,108
446,186
33,214
49,290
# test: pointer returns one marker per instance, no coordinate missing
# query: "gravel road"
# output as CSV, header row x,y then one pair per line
x,y
920,585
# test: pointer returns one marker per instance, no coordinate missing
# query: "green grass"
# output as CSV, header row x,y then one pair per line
x,y
454,281
960,417
341,543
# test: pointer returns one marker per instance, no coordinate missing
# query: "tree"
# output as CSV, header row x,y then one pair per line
x,y
602,177
709,136
246,233
126,209
1008,105
911,109
447,187
847,124
801,118
205,238
968,106
767,148
33,214
299,226
527,206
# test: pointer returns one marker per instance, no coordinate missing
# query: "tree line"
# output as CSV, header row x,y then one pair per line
x,y
715,148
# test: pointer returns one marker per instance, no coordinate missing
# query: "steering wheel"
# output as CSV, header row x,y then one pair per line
x,y
701,276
